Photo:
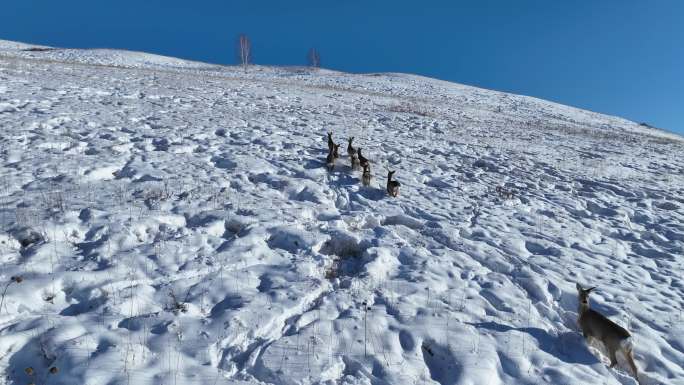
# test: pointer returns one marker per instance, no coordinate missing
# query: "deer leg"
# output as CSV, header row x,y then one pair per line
x,y
612,356
632,365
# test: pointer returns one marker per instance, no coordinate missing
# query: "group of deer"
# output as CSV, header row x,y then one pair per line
x,y
358,161
593,324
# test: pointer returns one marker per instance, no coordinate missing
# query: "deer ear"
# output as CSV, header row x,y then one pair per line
x,y
590,289
579,288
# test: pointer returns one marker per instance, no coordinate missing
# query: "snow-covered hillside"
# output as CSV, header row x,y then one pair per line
x,y
172,222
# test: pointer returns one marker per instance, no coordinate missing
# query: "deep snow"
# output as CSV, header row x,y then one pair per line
x,y
173,223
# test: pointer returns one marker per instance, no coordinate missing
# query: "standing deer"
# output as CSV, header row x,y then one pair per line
x,y
362,160
392,185
366,177
330,160
336,150
331,144
353,156
613,336
350,148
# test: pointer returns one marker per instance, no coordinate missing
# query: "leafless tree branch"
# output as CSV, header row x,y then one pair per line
x,y
244,48
314,58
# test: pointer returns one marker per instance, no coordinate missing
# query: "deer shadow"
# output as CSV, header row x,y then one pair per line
x,y
568,347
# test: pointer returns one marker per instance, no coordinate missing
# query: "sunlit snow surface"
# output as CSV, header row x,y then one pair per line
x,y
179,227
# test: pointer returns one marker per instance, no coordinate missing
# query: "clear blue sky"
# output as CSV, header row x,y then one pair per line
x,y
621,57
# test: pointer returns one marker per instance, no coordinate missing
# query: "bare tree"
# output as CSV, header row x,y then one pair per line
x,y
314,58
244,48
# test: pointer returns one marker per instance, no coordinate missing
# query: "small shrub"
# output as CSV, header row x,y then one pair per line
x,y
410,108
